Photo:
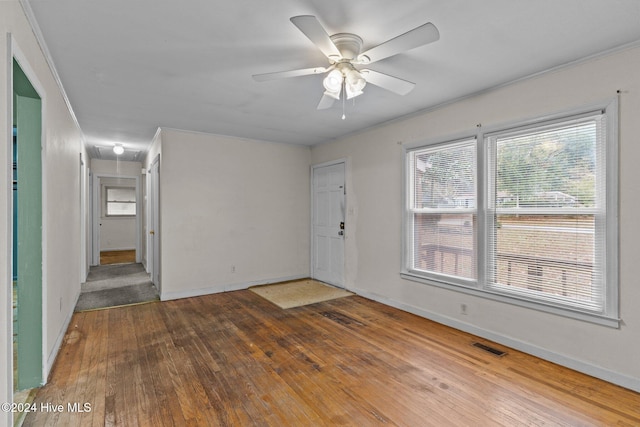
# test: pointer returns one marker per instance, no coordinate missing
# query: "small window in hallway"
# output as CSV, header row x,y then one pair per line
x,y
121,201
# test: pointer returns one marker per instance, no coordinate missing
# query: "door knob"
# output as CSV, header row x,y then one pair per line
x,y
152,232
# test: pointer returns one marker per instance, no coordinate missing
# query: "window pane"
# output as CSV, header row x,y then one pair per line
x,y
549,255
552,168
444,243
444,177
121,194
546,243
119,208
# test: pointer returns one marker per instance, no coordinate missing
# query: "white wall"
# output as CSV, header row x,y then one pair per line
x,y
234,212
63,144
374,191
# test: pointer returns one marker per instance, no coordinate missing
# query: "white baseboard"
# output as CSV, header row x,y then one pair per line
x,y
167,296
56,347
577,365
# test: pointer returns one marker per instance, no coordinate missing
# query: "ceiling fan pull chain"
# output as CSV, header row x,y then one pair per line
x,y
344,96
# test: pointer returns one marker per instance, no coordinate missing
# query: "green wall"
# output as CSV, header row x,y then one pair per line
x,y
28,120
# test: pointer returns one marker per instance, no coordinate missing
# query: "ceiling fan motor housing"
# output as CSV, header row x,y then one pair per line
x,y
348,44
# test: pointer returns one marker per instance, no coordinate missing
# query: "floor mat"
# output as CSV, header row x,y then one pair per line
x,y
299,293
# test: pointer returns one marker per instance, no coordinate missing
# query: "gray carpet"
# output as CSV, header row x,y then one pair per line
x,y
114,271
116,285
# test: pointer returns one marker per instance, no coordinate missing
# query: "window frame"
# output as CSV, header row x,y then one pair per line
x,y
410,212
107,201
479,287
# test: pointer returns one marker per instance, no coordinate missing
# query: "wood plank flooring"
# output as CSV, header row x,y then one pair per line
x,y
234,359
117,257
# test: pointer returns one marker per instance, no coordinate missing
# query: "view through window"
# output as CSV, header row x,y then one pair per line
x,y
121,201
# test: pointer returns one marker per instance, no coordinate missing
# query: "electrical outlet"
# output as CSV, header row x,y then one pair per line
x,y
463,309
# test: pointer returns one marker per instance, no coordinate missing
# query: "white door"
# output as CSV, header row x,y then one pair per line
x,y
153,223
328,223
83,222
95,219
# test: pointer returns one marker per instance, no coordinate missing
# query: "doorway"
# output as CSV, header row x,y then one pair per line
x,y
116,219
27,232
153,223
116,276
328,222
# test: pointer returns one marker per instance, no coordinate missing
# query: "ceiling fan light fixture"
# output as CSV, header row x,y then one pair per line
x,y
334,95
333,81
355,79
353,93
354,83
118,149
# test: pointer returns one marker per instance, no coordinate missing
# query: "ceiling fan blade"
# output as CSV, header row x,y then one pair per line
x,y
420,36
390,83
326,102
285,74
312,28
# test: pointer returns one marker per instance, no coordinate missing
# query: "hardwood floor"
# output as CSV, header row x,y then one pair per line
x,y
234,359
117,257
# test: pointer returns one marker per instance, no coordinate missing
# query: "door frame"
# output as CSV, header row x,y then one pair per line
x,y
15,53
345,162
153,223
83,221
96,209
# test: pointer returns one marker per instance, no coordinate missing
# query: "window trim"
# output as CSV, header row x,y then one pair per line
x,y
610,315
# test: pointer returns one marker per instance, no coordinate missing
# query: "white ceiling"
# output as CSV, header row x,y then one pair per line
x,y
131,66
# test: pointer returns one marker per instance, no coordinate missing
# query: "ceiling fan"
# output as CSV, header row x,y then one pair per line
x,y
343,50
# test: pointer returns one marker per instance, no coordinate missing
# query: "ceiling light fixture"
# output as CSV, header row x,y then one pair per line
x,y
118,149
344,76
333,83
354,83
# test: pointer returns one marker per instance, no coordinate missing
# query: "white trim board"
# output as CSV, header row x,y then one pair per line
x,y
63,331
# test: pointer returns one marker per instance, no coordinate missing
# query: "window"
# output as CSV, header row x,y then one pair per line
x,y
121,201
443,210
540,228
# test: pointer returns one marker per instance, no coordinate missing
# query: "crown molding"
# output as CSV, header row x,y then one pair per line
x,y
31,18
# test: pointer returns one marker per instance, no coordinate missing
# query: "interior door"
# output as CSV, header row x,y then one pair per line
x,y
153,223
328,223
95,219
